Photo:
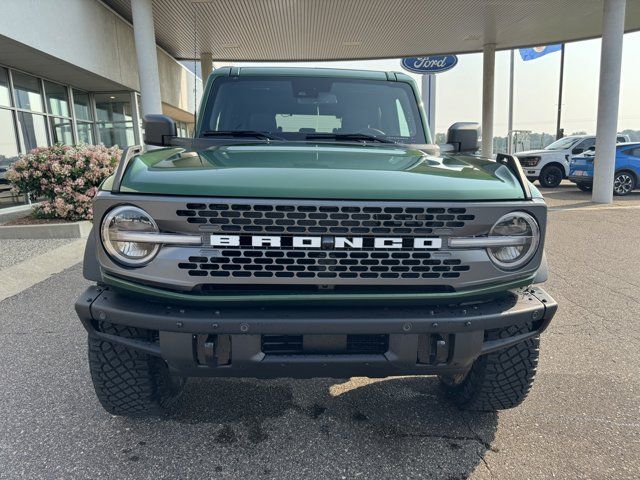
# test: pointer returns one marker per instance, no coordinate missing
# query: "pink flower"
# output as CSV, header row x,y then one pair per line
x,y
66,176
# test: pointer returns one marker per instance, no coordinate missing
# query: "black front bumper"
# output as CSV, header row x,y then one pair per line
x,y
232,341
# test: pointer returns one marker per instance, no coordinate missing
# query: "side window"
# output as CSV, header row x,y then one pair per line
x,y
402,120
586,144
634,152
621,140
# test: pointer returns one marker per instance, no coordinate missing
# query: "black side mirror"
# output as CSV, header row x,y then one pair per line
x,y
464,136
577,151
159,129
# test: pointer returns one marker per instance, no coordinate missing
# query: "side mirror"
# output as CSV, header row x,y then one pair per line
x,y
159,129
464,136
577,151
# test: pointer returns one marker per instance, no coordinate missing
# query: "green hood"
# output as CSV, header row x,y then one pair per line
x,y
322,171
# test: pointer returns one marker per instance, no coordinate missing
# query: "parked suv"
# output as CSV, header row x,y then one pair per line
x,y
551,164
626,174
312,229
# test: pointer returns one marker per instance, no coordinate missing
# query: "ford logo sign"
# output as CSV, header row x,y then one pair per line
x,y
430,64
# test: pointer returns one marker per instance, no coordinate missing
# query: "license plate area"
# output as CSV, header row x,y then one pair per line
x,y
375,344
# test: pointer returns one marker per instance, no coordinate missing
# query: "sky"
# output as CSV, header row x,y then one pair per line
x,y
459,91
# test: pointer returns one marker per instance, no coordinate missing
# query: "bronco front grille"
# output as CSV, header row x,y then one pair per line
x,y
256,218
322,264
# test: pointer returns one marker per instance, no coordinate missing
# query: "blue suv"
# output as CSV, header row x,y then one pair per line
x,y
627,173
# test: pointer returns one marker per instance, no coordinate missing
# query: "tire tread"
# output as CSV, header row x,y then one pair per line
x,y
501,379
129,382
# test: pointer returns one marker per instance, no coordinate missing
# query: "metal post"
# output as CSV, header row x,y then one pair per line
x,y
558,130
429,102
488,78
608,99
206,66
145,41
510,122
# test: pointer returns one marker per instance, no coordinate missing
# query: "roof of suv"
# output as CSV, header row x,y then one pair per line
x,y
315,72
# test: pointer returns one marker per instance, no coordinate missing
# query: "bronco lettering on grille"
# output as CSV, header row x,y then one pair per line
x,y
274,241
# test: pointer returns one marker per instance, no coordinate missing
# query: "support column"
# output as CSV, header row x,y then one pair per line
x,y
145,40
488,79
206,66
608,100
428,91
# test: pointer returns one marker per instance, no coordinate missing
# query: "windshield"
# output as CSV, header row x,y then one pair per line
x,y
314,108
562,144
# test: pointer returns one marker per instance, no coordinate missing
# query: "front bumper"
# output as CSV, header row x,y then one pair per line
x,y
230,341
581,179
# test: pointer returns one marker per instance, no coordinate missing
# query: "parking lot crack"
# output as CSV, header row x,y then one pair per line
x,y
45,332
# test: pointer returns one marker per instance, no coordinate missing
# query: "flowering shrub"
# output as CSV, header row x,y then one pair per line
x,y
66,176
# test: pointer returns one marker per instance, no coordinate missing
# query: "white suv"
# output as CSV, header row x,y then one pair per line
x,y
551,164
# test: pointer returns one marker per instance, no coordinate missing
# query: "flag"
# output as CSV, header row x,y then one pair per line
x,y
536,52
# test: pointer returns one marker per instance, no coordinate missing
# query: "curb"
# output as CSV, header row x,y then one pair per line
x,y
10,213
46,231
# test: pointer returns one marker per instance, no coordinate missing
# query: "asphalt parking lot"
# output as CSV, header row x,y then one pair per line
x,y
581,419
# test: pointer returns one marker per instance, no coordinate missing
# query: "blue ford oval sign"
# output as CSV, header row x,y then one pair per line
x,y
430,64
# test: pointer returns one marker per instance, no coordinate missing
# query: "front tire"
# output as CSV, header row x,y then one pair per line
x,y
551,176
129,382
497,380
585,187
623,183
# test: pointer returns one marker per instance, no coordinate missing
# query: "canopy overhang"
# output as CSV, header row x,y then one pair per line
x,y
292,30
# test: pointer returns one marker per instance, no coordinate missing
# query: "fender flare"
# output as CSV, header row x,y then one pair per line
x,y
542,274
90,265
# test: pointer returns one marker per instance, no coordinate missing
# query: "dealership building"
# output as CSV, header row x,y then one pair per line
x,y
69,74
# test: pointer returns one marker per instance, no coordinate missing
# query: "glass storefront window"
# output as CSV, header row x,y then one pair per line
x,y
82,105
8,143
27,92
32,130
85,132
120,134
115,119
57,99
5,95
61,131
113,107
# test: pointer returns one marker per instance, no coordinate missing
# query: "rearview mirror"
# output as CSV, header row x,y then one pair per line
x,y
464,136
159,129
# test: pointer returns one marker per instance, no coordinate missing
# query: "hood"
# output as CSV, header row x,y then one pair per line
x,y
322,171
546,153
536,152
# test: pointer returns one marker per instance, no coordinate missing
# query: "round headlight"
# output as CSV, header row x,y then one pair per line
x,y
128,219
524,233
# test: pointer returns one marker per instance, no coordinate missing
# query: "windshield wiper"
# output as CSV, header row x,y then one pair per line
x,y
240,133
363,137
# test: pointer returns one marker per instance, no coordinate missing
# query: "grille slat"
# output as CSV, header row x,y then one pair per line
x,y
321,264
251,218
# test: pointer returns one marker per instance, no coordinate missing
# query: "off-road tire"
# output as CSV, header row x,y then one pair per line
x,y
551,176
497,380
585,187
129,382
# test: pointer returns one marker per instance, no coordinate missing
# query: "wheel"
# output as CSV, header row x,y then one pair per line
x,y
129,382
585,187
623,183
497,380
551,176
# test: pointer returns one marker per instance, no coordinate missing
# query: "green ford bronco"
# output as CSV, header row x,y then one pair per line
x,y
311,228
